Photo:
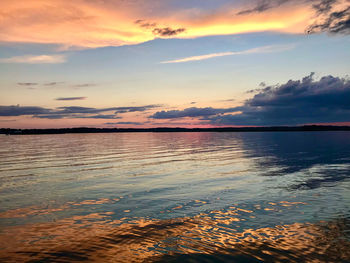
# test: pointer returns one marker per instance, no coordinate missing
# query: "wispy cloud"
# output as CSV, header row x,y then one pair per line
x,y
84,85
54,83
27,83
264,49
71,98
192,112
71,111
124,123
31,59
262,6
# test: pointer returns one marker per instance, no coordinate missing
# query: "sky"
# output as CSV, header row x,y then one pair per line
x,y
174,63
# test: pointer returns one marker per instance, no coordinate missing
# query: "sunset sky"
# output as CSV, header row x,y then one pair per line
x,y
174,63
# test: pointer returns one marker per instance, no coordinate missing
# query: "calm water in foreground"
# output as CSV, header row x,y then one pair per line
x,y
175,197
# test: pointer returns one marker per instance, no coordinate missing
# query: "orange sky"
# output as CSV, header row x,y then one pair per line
x,y
93,24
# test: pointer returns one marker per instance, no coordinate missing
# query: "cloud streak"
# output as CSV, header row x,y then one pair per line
x,y
27,84
191,112
71,112
125,123
84,85
31,59
265,49
71,98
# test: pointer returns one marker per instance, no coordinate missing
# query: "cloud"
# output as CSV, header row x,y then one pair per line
x,y
293,103
70,112
52,83
76,116
36,83
30,59
135,109
52,116
336,22
71,98
78,109
190,112
167,31
125,123
145,24
262,6
99,116
22,110
84,85
27,83
324,6
228,100
264,49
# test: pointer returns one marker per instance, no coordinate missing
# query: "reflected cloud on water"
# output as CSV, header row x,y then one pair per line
x,y
315,158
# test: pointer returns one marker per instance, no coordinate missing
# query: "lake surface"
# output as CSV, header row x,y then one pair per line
x,y
175,197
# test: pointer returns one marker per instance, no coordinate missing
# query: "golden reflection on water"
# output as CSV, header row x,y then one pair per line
x,y
206,237
172,172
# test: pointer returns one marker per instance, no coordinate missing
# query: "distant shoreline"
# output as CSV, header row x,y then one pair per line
x,y
167,129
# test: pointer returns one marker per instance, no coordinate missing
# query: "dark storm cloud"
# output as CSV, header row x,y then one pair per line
x,y
295,102
190,112
70,111
167,31
71,98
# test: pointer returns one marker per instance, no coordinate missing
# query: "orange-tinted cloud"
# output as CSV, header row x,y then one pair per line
x,y
87,23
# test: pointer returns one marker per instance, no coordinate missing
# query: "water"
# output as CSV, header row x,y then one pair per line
x,y
175,197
